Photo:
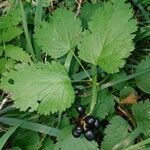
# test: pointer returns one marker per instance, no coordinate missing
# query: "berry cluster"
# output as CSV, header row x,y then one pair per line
x,y
86,125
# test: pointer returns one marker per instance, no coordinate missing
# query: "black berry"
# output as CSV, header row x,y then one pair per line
x,y
80,109
97,123
89,135
76,134
79,129
90,120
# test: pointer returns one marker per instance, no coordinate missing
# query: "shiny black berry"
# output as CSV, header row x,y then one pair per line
x,y
76,134
97,123
90,120
80,109
79,129
89,135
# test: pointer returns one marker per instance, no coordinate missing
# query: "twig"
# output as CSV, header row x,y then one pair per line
x,y
126,114
4,101
78,8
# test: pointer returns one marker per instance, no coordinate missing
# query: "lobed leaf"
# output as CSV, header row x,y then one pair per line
x,y
39,87
108,41
115,132
105,104
17,53
59,35
143,81
141,112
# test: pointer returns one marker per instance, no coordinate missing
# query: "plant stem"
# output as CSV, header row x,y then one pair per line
x,y
80,81
26,31
94,89
137,146
127,141
68,61
81,65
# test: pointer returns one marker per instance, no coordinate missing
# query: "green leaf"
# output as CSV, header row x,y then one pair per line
x,y
27,140
87,11
141,112
17,53
1,50
42,87
12,18
30,126
68,142
48,145
143,82
8,25
126,91
145,2
109,40
69,4
115,132
7,134
10,33
6,65
59,35
129,140
105,104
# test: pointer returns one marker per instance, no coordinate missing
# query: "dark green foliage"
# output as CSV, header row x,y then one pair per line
x,y
66,66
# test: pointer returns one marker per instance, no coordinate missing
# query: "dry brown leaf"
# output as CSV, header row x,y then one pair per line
x,y
130,99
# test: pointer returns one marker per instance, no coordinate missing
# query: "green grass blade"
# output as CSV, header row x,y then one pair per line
x,y
141,8
129,77
30,126
126,142
139,145
7,134
26,31
7,109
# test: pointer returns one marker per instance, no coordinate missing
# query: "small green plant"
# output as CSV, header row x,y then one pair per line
x,y
75,76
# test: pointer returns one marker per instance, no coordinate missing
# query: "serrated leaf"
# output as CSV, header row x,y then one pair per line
x,y
12,18
105,104
143,82
10,33
86,12
115,132
42,87
68,142
109,40
141,112
17,53
8,25
6,65
59,35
